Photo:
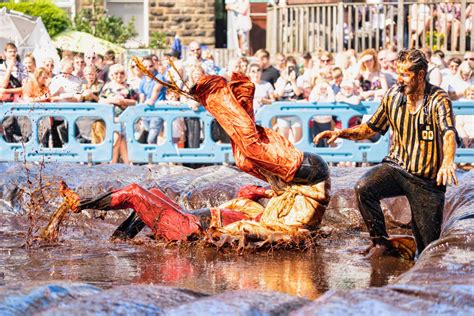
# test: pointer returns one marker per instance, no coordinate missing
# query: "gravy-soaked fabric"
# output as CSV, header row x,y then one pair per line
x,y
253,146
293,212
157,211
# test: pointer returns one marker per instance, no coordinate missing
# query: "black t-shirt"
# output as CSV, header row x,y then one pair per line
x,y
271,75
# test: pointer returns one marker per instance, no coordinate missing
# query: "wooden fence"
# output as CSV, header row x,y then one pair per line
x,y
339,26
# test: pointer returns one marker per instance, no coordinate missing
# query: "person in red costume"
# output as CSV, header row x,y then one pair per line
x,y
257,150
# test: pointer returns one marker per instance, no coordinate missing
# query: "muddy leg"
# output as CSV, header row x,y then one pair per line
x,y
378,183
129,228
157,212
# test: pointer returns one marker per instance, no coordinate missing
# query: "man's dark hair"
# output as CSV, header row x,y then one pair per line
x,y
455,60
262,52
415,57
291,59
439,52
149,58
10,45
110,55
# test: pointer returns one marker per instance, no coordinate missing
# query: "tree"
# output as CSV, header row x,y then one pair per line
x,y
55,20
111,28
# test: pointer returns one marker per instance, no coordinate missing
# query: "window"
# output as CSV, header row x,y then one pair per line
x,y
127,9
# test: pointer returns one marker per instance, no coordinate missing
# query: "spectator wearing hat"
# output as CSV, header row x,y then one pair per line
x,y
371,79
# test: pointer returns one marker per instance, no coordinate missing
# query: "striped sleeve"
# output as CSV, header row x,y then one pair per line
x,y
379,121
445,115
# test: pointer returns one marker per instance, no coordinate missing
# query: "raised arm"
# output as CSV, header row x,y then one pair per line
x,y
358,132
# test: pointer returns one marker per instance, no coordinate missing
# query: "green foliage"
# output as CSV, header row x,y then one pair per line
x,y
434,40
111,28
158,40
55,19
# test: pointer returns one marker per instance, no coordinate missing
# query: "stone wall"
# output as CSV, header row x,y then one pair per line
x,y
191,19
88,4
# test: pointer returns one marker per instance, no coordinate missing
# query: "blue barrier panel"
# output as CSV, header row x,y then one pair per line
x,y
72,151
346,150
464,155
208,152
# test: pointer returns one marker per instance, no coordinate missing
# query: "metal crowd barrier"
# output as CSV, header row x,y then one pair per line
x,y
464,155
345,150
209,151
73,150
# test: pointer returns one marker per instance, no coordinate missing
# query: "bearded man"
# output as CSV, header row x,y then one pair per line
x,y
420,162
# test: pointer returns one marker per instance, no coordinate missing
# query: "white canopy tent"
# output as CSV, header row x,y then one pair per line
x,y
28,33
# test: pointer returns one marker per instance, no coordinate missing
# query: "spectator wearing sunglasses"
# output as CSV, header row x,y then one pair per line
x,y
460,82
195,59
264,92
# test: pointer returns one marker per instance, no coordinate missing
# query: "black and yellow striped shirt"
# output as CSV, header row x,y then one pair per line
x,y
417,138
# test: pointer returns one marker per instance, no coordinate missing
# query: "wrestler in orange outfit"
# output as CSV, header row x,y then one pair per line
x,y
300,180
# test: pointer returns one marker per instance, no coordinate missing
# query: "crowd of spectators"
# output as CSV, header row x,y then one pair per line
x,y
315,77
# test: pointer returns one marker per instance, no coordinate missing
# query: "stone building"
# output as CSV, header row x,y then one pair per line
x,y
191,19
201,20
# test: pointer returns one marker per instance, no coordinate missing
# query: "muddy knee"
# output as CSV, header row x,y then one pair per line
x,y
362,188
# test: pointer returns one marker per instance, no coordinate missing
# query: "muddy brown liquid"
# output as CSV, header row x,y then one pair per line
x,y
86,254
439,283
332,264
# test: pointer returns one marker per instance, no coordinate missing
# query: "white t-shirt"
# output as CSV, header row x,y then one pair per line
x,y
327,97
262,90
455,84
66,87
465,125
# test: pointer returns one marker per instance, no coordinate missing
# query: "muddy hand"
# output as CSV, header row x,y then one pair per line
x,y
71,198
331,135
447,175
